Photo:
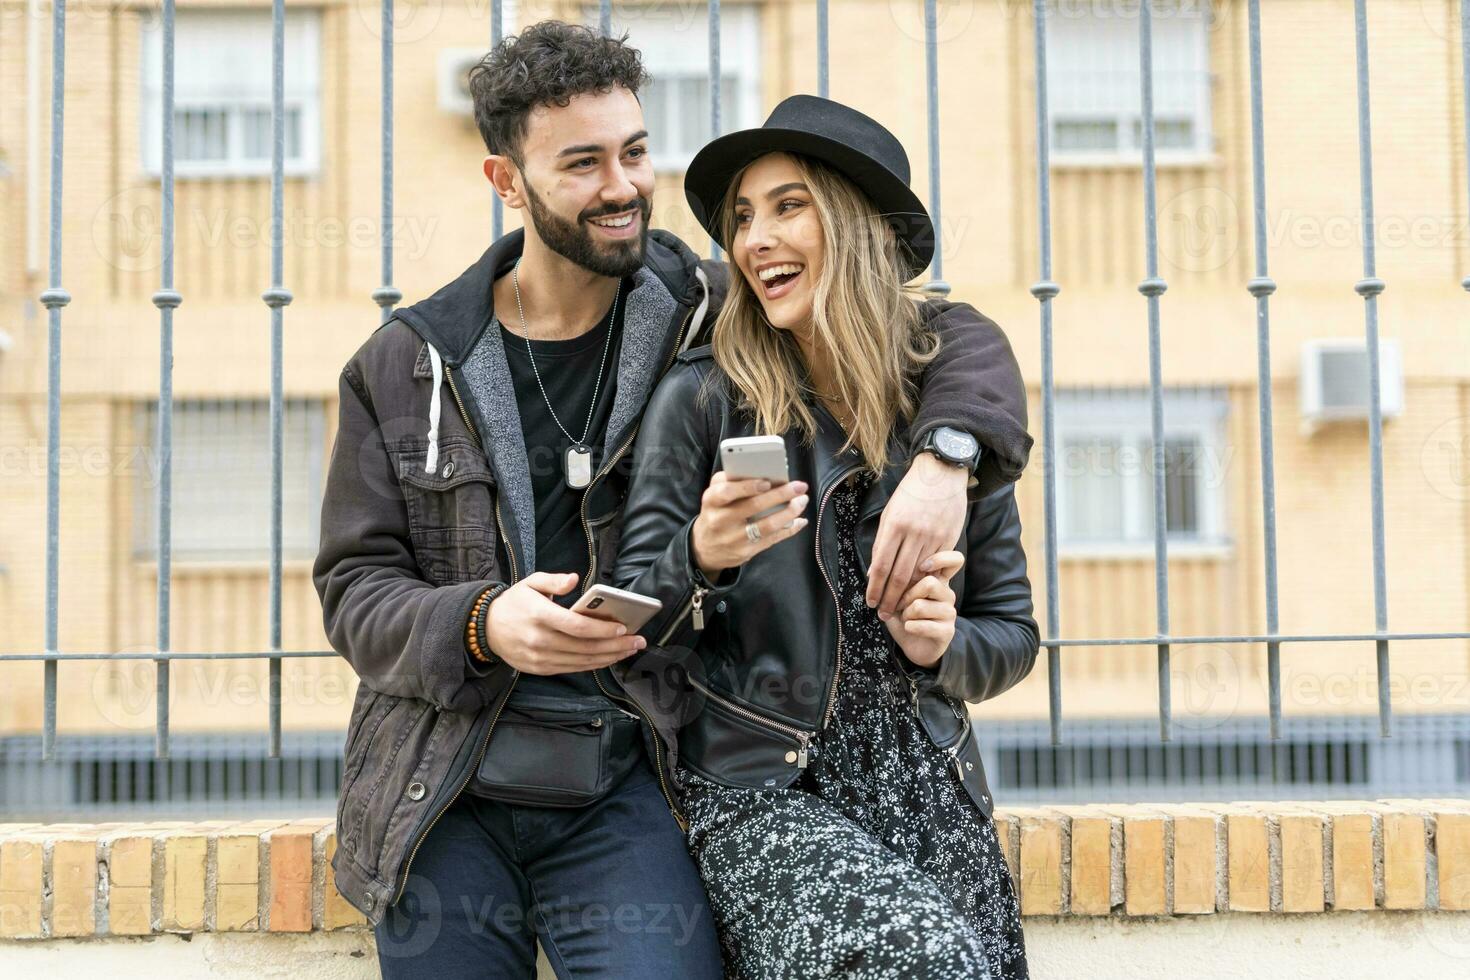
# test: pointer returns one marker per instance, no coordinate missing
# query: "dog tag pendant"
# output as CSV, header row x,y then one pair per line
x,y
579,466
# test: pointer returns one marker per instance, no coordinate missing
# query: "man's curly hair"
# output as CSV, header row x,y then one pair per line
x,y
547,63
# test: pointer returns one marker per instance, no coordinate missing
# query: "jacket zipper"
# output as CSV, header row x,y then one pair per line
x,y
965,733
658,751
803,738
515,674
694,604
837,603
613,461
954,750
469,770
658,754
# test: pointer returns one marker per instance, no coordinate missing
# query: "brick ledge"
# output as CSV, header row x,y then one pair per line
x,y
137,879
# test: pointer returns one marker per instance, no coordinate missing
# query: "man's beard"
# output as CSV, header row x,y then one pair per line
x,y
573,241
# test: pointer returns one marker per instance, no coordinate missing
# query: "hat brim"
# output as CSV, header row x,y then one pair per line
x,y
715,165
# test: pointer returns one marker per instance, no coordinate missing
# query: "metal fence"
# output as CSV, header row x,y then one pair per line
x,y
228,774
206,774
1045,289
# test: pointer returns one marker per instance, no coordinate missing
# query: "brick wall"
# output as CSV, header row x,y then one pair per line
x,y
1124,861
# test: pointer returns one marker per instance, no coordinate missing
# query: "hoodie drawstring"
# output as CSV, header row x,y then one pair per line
x,y
431,460
699,311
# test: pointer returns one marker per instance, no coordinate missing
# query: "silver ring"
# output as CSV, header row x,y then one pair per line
x,y
752,531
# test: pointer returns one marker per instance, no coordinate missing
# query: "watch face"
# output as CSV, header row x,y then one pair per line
x,y
954,443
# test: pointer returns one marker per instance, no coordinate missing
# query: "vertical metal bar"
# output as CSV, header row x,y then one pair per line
x,y
167,299
497,33
605,17
54,298
1045,290
1261,286
714,87
276,298
823,38
714,68
386,296
1465,92
936,286
1369,287
1152,287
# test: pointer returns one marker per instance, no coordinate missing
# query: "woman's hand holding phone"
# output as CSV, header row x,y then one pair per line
x,y
924,624
719,538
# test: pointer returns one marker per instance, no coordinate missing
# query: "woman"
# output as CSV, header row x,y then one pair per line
x,y
836,802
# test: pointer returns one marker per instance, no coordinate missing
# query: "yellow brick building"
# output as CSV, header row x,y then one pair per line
x,y
442,221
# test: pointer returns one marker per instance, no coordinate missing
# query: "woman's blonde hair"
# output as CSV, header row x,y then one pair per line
x,y
862,315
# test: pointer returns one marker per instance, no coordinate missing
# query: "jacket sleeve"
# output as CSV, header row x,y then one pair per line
x,y
996,637
402,635
672,464
974,384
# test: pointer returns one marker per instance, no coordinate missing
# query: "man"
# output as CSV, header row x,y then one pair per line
x,y
475,491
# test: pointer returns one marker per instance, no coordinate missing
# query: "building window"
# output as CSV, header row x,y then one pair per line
x,y
1105,484
222,480
1093,81
222,92
674,41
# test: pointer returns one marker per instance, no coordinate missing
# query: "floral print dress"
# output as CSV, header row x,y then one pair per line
x,y
875,863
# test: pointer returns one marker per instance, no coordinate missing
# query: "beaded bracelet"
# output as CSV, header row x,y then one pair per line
x,y
475,629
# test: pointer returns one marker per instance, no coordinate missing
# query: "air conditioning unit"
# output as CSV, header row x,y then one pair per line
x,y
1334,382
454,82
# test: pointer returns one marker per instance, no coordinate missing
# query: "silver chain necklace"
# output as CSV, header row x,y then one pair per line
x,y
577,466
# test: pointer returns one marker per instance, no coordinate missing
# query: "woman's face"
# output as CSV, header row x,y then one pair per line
x,y
779,242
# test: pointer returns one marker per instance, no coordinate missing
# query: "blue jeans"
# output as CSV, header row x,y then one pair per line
x,y
609,889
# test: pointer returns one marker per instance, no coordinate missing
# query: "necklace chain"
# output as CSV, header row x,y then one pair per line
x,y
606,345
830,402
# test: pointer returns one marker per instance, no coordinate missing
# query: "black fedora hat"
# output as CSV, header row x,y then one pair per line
x,y
852,143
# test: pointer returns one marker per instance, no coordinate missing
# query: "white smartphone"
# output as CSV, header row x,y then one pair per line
x,y
629,608
756,458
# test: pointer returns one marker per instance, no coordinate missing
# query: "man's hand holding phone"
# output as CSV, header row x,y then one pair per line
x,y
532,633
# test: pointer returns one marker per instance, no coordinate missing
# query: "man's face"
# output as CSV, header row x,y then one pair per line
x,y
588,180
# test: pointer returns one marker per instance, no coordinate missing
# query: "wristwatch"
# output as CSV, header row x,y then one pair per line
x,y
954,446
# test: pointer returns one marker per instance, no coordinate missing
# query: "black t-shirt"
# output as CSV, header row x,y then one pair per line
x,y
569,372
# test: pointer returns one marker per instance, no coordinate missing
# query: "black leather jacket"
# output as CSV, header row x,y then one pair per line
x,y
766,639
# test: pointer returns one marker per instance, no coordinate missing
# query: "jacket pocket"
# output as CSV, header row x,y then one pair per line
x,y
957,741
451,513
402,721
948,725
731,744
367,714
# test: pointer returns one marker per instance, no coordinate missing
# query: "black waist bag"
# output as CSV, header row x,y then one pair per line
x,y
556,757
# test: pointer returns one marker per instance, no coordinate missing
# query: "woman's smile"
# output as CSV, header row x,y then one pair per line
x,y
778,279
